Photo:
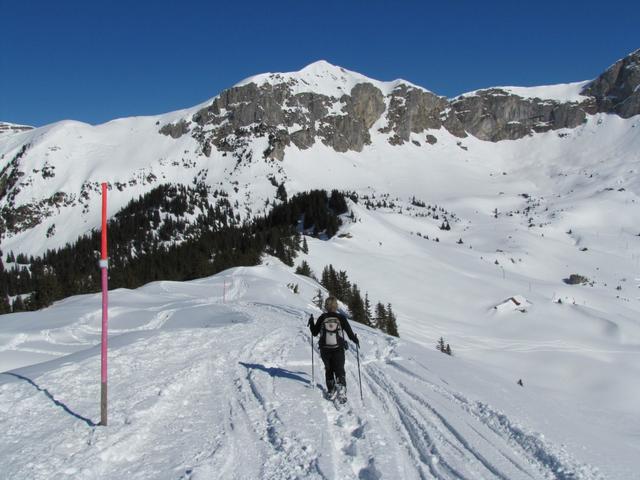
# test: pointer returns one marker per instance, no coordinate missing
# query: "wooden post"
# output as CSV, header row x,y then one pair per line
x,y
104,264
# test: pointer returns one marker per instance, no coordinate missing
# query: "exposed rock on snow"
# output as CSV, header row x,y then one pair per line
x,y
495,114
616,90
7,128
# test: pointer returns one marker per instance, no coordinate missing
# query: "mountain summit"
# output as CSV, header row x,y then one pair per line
x,y
321,77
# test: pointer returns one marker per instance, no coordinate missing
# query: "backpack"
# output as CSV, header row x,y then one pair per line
x,y
332,333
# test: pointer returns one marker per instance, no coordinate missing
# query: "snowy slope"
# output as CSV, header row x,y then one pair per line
x,y
562,92
201,388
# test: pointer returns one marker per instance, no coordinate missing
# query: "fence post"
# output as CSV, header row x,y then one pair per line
x,y
104,264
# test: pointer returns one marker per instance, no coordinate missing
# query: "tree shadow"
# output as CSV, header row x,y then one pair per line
x,y
53,399
277,372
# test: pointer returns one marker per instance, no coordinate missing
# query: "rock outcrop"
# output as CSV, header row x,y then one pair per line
x,y
175,130
496,114
413,110
9,128
617,90
292,116
301,118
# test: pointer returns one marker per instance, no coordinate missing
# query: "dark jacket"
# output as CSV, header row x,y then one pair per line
x,y
316,328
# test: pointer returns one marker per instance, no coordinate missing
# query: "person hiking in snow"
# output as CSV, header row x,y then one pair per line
x,y
331,326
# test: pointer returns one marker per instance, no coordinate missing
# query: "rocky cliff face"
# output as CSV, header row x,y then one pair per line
x,y
288,118
496,114
288,114
617,90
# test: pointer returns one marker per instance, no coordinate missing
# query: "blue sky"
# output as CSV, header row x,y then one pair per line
x,y
98,60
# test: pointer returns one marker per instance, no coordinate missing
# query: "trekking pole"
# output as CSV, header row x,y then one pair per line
x,y
313,374
359,376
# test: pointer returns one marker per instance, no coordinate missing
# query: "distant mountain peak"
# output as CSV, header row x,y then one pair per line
x,y
324,78
322,66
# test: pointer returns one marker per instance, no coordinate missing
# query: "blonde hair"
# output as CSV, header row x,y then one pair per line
x,y
331,304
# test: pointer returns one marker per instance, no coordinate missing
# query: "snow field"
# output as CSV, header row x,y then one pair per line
x,y
224,390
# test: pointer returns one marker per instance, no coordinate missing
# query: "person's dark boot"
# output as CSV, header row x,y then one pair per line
x,y
341,390
331,389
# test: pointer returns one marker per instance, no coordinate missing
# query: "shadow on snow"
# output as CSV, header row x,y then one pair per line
x,y
276,372
53,399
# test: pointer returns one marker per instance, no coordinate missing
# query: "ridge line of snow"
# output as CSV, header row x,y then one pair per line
x,y
561,92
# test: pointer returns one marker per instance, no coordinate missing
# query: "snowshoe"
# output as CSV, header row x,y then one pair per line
x,y
331,395
341,394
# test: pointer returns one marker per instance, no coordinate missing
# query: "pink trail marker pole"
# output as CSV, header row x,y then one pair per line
x,y
104,264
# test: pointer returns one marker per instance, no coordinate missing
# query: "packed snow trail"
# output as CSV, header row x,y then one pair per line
x,y
224,391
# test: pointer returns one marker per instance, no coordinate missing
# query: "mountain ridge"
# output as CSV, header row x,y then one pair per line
x,y
244,134
325,91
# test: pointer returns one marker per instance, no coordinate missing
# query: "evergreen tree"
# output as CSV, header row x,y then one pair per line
x,y
327,280
18,304
304,269
356,305
318,300
297,244
281,193
447,350
381,317
392,325
343,287
5,307
305,246
338,203
46,291
441,345
367,310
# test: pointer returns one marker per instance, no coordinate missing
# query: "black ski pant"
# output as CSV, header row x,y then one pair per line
x,y
333,359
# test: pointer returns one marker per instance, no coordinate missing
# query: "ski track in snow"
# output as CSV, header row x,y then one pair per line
x,y
235,401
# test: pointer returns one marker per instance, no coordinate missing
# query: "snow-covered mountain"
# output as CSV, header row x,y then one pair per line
x,y
536,184
258,132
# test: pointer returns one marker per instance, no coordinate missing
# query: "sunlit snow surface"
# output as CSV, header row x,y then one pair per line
x,y
201,388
